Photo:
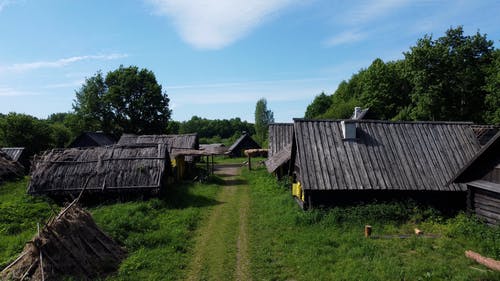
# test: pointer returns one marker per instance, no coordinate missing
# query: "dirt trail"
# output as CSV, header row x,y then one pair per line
x,y
221,250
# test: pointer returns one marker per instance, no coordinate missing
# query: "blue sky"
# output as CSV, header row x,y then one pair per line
x,y
214,58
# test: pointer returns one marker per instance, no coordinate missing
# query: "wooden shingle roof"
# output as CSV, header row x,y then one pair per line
x,y
384,155
14,153
280,135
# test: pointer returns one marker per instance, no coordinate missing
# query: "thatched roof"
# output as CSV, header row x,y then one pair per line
x,y
214,148
70,245
175,143
87,139
383,155
119,168
9,169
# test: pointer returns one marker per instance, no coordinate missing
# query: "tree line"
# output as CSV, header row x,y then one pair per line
x,y
455,77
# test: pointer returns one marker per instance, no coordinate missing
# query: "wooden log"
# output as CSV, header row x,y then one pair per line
x,y
368,231
488,262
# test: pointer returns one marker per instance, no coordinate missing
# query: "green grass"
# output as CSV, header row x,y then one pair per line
x,y
157,233
287,243
19,215
237,160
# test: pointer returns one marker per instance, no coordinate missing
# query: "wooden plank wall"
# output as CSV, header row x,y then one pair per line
x,y
486,205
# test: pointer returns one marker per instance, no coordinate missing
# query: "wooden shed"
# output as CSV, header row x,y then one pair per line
x,y
243,143
18,154
341,161
107,169
88,139
9,169
180,150
280,148
482,177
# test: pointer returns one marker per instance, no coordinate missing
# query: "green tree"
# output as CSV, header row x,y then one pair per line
x,y
263,117
21,130
448,76
492,88
319,106
128,100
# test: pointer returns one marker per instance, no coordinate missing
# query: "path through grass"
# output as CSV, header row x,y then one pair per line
x,y
221,244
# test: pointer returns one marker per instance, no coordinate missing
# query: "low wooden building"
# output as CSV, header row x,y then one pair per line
x,y
88,139
18,154
482,177
9,169
180,149
237,149
280,148
108,169
341,161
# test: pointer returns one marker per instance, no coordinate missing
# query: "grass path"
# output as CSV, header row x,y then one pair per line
x,y
221,247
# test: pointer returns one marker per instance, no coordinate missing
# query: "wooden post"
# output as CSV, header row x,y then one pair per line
x,y
249,162
368,231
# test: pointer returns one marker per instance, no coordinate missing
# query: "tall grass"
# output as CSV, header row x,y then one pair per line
x,y
329,244
19,215
157,233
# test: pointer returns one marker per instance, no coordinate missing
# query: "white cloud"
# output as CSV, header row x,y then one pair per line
x,y
70,84
214,24
21,67
345,37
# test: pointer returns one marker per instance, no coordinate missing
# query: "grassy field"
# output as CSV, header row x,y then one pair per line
x,y
289,244
157,233
284,242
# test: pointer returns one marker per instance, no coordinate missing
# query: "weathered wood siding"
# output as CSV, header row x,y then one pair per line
x,y
280,136
485,204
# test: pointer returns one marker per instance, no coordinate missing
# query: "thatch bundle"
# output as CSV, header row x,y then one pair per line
x,y
260,152
9,169
70,245
100,169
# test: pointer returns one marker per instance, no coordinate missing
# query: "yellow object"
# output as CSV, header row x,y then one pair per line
x,y
297,191
178,165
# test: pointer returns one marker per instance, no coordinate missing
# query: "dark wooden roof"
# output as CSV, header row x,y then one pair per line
x,y
279,158
483,162
242,143
485,132
88,139
175,143
14,153
121,168
280,135
385,155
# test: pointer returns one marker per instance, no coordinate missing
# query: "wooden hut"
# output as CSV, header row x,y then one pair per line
x,y
181,150
9,169
88,139
237,149
118,168
18,154
482,177
214,148
341,161
280,148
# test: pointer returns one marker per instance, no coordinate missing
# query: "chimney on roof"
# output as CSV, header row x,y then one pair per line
x,y
348,129
357,113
